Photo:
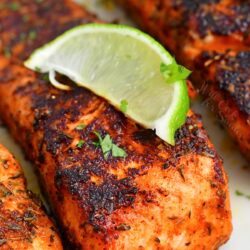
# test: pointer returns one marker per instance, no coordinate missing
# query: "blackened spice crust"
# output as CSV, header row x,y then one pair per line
x,y
99,186
210,19
233,75
223,24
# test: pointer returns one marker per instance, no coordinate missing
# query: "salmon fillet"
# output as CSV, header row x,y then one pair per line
x,y
212,38
157,197
23,223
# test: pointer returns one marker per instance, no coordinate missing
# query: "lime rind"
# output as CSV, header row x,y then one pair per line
x,y
166,125
176,115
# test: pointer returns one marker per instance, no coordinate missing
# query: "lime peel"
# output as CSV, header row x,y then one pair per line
x,y
148,85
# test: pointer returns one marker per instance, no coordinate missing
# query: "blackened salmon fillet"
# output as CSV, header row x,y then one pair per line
x,y
23,223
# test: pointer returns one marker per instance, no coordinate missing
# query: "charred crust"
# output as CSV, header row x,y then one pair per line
x,y
193,5
210,19
77,169
190,139
98,200
232,75
223,24
29,25
144,136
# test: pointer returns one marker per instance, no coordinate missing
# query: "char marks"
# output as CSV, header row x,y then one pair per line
x,y
29,24
233,75
193,5
219,23
84,172
236,18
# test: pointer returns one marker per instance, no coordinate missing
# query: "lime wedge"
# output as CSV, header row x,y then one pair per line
x,y
123,65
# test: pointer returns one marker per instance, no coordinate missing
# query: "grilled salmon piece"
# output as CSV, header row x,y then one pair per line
x,y
23,223
212,38
157,197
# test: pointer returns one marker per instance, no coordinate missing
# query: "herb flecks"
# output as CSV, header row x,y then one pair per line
x,y
80,143
174,72
14,6
80,127
124,106
32,35
240,193
108,147
37,69
11,6
7,52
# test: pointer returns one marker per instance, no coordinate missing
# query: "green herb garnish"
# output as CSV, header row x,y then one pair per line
x,y
37,69
32,35
118,152
14,6
108,147
7,52
124,106
45,77
80,127
80,143
174,72
239,193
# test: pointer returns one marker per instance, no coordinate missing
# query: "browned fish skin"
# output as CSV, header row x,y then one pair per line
x,y
158,197
212,38
23,224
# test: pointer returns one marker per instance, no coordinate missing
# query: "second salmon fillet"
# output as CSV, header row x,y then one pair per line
x,y
157,197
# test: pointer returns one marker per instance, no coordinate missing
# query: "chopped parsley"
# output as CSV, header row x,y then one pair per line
x,y
11,6
37,69
239,193
174,72
80,127
7,52
45,77
124,106
14,6
80,143
32,35
108,147
117,152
